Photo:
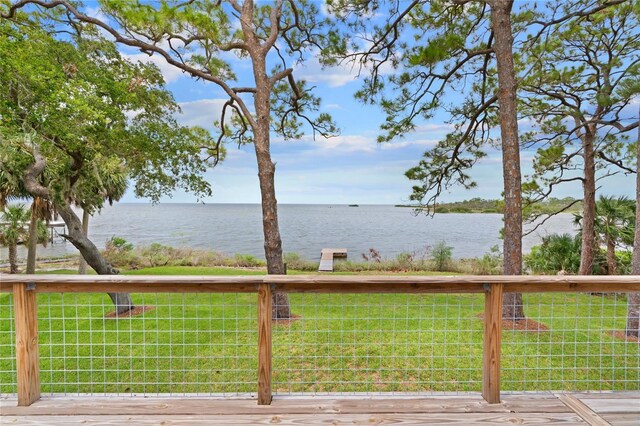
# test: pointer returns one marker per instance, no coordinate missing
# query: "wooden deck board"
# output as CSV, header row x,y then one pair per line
x,y
467,409
306,419
582,410
622,419
613,405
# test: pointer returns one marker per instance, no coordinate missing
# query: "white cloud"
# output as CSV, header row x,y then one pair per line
x,y
426,143
435,127
338,144
337,76
334,106
203,112
169,72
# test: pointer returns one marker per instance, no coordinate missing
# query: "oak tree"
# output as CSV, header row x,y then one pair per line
x,y
197,37
75,108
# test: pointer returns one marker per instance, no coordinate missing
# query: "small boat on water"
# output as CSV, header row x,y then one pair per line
x,y
353,205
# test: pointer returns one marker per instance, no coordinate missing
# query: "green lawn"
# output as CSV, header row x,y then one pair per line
x,y
206,343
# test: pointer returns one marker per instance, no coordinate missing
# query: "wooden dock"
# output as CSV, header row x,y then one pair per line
x,y
617,408
326,258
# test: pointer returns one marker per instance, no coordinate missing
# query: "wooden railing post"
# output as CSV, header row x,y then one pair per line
x,y
26,325
264,344
492,343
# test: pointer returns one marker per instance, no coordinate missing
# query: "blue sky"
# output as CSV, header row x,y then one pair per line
x,y
350,168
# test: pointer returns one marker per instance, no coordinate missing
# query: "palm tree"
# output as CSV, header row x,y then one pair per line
x,y
615,224
13,230
41,210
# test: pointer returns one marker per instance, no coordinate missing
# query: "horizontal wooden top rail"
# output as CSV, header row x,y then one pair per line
x,y
320,283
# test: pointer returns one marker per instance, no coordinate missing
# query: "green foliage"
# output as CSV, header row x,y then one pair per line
x,y
119,243
615,219
14,226
623,260
490,263
97,118
156,254
246,261
577,78
119,253
296,262
556,253
441,256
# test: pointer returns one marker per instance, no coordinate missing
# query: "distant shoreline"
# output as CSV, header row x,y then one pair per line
x,y
479,205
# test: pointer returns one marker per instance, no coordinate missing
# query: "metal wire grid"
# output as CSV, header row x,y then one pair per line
x,y
579,345
186,344
7,346
205,344
351,344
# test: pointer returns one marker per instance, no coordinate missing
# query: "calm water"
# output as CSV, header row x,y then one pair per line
x,y
306,229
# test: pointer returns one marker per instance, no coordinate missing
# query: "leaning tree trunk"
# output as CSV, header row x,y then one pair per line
x,y
32,246
501,23
588,247
91,254
266,175
82,266
88,250
13,259
633,299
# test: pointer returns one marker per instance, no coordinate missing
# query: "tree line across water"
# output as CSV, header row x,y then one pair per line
x,y
79,120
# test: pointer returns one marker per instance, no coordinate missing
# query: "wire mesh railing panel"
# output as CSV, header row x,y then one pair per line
x,y
7,346
570,342
175,344
379,343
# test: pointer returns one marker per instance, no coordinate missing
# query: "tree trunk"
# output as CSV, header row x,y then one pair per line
x,y
611,256
503,47
13,259
82,266
589,206
271,230
91,254
633,299
32,246
266,168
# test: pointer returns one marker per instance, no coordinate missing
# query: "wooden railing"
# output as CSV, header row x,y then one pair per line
x,y
25,288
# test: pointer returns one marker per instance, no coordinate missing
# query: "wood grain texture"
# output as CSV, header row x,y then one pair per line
x,y
305,419
467,409
105,405
324,283
264,344
464,403
622,419
582,410
492,343
614,406
26,329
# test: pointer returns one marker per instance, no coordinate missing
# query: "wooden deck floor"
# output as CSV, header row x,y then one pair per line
x,y
565,409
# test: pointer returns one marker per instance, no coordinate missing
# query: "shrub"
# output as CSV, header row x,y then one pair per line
x,y
409,262
624,261
490,263
297,262
246,261
119,253
157,254
558,252
441,256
